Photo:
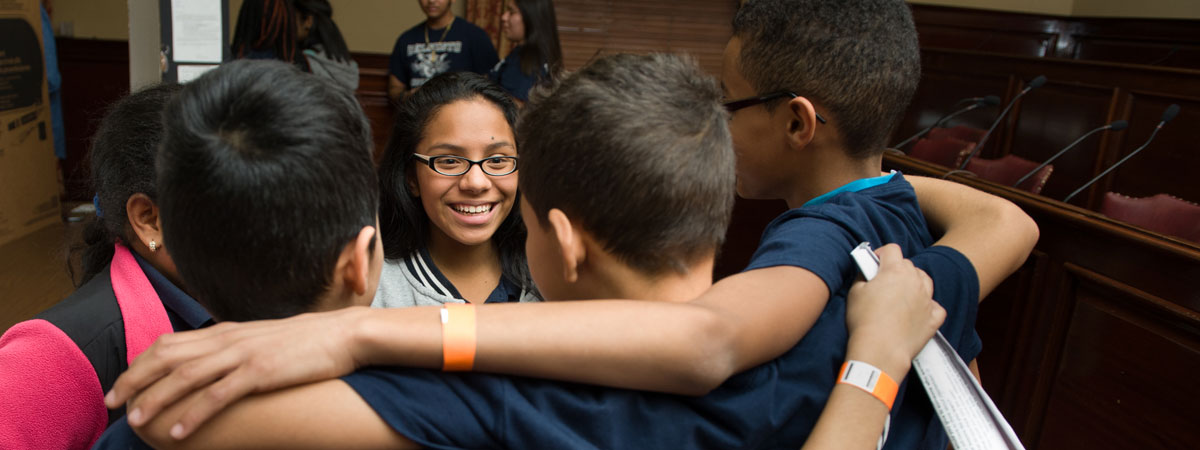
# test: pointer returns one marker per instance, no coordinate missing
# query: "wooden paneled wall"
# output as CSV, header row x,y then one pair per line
x,y
1080,96
372,94
1159,42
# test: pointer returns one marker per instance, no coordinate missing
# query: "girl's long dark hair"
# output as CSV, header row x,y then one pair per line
x,y
402,220
266,25
541,38
324,32
122,164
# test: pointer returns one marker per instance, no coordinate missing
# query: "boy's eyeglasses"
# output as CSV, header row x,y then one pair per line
x,y
453,166
748,102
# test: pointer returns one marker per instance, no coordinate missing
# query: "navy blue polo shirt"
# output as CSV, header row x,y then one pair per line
x,y
184,311
774,405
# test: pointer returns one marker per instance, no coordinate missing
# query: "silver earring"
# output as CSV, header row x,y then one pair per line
x,y
153,246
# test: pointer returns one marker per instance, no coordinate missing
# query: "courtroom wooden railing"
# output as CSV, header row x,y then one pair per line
x,y
1155,42
1092,343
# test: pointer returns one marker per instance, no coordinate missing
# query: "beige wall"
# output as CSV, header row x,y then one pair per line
x,y
372,26
1175,9
369,26
1158,9
92,19
1054,7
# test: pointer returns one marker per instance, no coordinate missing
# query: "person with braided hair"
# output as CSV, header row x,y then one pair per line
x,y
266,29
324,49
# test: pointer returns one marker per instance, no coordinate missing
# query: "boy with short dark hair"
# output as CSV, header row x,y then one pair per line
x,y
258,187
600,175
268,196
842,74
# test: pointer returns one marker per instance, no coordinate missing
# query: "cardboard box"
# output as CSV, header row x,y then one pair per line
x,y
29,189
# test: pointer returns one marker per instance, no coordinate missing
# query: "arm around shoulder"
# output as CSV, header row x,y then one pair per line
x,y
327,414
993,233
742,321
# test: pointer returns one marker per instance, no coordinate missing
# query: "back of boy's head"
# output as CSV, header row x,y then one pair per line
x,y
122,164
636,149
265,175
857,58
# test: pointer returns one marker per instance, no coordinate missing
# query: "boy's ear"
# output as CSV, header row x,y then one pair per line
x,y
143,218
802,124
354,264
570,244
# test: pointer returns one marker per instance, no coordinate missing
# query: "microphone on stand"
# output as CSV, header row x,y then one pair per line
x,y
1115,126
1035,83
1169,114
976,103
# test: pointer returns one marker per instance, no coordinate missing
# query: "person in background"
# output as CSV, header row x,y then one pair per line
x,y
443,43
55,368
537,58
324,48
266,29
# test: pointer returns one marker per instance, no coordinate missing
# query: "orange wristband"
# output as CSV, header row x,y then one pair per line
x,y
458,337
869,378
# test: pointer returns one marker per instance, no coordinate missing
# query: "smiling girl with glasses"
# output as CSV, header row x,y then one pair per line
x,y
449,231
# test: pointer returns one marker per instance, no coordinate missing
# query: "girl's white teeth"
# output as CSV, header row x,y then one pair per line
x,y
467,209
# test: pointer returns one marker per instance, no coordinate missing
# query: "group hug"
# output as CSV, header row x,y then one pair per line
x,y
533,276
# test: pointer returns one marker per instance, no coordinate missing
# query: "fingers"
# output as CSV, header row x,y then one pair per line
x,y
889,254
926,283
167,352
937,316
180,382
891,317
211,400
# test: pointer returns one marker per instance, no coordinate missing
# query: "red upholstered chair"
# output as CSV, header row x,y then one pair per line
x,y
960,132
1010,168
1161,213
948,152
